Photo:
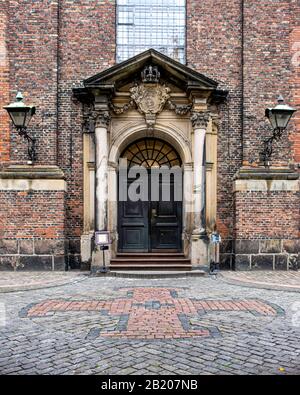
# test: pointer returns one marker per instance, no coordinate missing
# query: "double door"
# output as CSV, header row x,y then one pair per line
x,y
148,225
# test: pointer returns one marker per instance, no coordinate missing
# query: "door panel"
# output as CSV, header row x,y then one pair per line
x,y
133,225
166,221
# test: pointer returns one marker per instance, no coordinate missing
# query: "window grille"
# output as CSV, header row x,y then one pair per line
x,y
144,24
151,153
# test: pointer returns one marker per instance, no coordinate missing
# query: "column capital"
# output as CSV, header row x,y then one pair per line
x,y
200,119
102,119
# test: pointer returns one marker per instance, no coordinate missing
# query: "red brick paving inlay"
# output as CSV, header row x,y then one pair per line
x,y
153,313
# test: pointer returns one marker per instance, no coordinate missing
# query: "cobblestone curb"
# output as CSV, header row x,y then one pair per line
x,y
259,285
31,287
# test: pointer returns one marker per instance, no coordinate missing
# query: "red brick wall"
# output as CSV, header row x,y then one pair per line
x,y
32,230
214,46
267,71
266,215
53,45
295,83
4,82
33,70
34,214
216,40
87,46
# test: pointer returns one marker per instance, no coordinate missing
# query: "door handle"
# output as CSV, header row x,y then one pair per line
x,y
153,213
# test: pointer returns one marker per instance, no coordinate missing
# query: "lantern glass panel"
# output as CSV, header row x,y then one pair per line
x,y
282,118
28,117
18,118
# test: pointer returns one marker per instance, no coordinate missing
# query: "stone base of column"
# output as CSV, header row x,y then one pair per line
x,y
86,247
199,251
97,260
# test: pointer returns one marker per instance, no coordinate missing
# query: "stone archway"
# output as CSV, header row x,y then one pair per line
x,y
150,197
174,138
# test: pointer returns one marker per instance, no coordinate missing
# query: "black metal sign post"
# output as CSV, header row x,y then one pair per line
x,y
102,239
215,240
104,268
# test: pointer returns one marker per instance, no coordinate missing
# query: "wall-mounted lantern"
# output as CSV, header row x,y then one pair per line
x,y
279,118
21,115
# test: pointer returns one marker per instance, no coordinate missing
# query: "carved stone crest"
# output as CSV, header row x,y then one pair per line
x,y
150,100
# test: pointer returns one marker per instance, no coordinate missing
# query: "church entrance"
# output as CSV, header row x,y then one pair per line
x,y
150,198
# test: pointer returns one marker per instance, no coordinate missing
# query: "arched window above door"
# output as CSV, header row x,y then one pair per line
x,y
151,152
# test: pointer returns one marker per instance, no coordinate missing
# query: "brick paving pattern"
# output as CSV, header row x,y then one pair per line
x,y
143,326
152,313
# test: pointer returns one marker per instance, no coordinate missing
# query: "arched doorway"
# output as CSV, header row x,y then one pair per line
x,y
150,198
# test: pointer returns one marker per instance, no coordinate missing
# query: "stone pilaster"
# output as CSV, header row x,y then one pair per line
x,y
101,179
199,243
101,142
199,122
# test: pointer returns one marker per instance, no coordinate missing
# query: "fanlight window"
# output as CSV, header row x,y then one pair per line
x,y
151,153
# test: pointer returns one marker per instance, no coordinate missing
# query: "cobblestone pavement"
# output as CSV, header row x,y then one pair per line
x,y
16,281
142,326
266,279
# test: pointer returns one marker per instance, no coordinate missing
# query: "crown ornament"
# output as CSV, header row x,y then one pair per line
x,y
150,74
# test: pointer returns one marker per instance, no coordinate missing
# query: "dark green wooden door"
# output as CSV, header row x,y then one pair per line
x,y
150,225
133,224
166,221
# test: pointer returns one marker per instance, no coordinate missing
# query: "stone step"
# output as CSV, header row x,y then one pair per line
x,y
154,274
149,266
151,261
150,254
157,260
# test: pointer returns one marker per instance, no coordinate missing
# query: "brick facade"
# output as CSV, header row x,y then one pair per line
x,y
4,82
46,48
32,230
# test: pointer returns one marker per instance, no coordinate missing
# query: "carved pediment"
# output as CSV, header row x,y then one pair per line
x,y
149,71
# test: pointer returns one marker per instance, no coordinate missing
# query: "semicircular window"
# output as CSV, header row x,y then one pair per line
x,y
151,152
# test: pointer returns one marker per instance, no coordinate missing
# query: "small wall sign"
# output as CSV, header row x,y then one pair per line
x,y
102,238
216,238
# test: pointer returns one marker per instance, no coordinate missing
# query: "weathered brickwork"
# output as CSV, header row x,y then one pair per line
x,y
32,230
252,48
295,86
4,82
266,230
214,34
32,44
267,71
271,214
86,47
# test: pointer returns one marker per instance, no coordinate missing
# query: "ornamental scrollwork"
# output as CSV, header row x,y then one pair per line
x,y
150,100
88,118
121,109
102,119
200,119
183,109
93,118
